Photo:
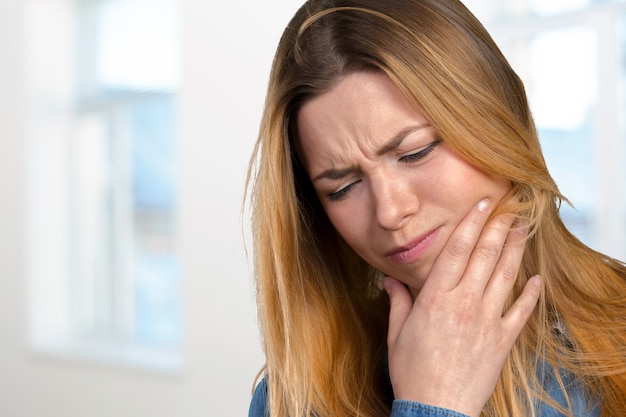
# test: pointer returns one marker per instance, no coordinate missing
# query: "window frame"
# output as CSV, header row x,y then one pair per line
x,y
513,32
57,325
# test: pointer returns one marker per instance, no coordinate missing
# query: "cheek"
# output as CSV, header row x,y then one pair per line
x,y
347,226
464,185
350,223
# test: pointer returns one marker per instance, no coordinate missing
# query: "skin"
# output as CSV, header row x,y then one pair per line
x,y
384,179
414,209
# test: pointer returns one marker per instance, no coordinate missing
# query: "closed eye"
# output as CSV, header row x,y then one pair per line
x,y
414,157
342,193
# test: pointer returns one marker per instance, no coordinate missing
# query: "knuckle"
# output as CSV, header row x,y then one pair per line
x,y
457,250
487,253
505,220
509,272
502,220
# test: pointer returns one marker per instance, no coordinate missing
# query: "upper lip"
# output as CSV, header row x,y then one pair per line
x,y
409,245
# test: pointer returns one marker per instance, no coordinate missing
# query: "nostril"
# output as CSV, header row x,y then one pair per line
x,y
392,214
394,198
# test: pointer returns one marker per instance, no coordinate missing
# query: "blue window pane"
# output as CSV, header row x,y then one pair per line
x,y
127,75
158,318
153,129
567,154
562,89
157,306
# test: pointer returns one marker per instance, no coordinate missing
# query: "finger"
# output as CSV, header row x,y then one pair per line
x,y
486,256
452,261
401,304
517,316
505,274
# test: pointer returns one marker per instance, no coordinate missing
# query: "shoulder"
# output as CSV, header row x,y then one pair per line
x,y
583,405
403,408
258,404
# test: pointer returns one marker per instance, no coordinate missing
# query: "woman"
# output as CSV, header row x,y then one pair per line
x,y
397,150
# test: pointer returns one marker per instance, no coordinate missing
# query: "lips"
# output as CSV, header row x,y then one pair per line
x,y
412,251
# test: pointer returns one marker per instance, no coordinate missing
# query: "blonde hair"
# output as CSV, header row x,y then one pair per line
x,y
322,313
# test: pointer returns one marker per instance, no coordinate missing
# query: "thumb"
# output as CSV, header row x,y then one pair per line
x,y
401,304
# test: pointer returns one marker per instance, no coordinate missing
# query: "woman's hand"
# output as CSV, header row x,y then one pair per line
x,y
447,348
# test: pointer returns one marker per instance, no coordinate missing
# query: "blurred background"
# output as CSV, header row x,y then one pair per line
x,y
125,131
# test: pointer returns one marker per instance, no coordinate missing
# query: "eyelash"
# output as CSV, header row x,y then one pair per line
x,y
414,157
338,195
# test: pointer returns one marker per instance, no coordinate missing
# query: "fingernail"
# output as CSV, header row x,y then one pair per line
x,y
536,281
483,205
387,285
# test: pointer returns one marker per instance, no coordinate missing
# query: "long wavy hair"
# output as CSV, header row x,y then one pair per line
x,y
322,313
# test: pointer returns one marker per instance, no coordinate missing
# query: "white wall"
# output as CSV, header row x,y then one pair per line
x,y
228,47
227,53
12,268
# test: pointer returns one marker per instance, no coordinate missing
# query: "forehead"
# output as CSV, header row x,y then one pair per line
x,y
364,116
363,106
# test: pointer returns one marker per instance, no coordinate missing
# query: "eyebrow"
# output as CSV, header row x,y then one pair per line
x,y
337,174
399,138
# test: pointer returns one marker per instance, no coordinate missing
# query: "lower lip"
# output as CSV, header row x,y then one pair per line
x,y
414,252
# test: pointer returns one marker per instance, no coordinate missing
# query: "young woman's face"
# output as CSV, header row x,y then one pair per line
x,y
390,187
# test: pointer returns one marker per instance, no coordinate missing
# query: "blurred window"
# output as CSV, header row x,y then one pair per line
x,y
571,57
103,96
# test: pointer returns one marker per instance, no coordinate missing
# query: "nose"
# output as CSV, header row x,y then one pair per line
x,y
395,200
